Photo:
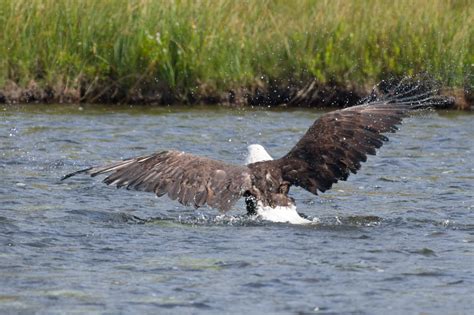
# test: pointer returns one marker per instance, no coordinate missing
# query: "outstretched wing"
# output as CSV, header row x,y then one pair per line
x,y
191,179
337,143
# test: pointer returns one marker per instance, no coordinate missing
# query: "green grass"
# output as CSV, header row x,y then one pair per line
x,y
199,46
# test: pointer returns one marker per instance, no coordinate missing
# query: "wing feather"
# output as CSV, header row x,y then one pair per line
x,y
190,179
336,144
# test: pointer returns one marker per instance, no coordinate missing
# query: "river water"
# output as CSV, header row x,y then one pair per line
x,y
396,238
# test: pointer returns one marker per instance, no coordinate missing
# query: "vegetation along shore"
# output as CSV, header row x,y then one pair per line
x,y
301,53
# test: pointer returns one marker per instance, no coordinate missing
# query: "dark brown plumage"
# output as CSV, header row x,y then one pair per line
x,y
332,148
191,179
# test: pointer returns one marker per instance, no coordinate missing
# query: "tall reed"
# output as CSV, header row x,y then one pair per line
x,y
190,46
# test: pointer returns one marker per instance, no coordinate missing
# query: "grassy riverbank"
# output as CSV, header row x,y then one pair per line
x,y
192,50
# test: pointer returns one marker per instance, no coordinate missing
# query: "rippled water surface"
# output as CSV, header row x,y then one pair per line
x,y
396,238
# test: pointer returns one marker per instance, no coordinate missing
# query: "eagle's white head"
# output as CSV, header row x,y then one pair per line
x,y
257,153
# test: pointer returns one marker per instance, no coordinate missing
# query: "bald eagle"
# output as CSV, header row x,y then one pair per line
x,y
333,147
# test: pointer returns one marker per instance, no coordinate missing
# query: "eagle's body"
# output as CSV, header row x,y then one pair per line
x,y
332,148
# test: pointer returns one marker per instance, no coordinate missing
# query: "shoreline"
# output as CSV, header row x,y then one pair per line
x,y
261,53
310,94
